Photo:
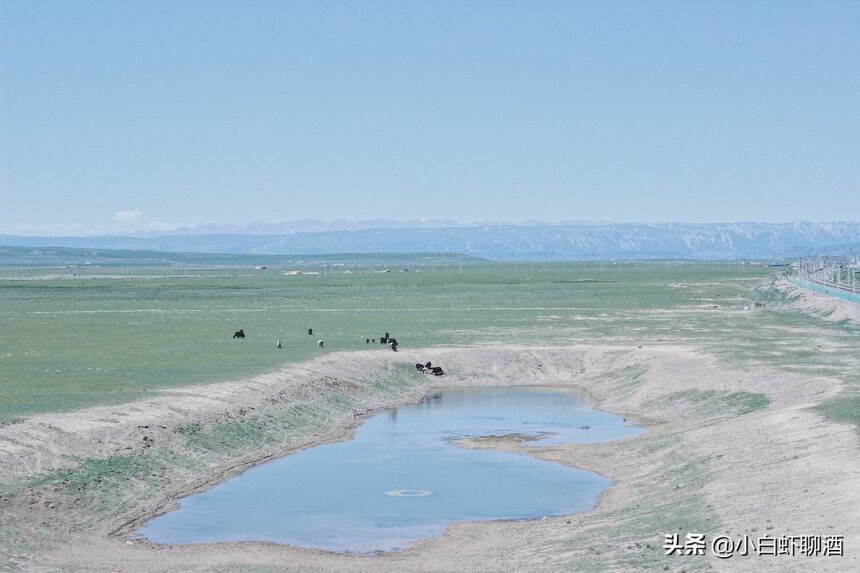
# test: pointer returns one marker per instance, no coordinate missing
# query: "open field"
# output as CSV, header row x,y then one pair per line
x,y
751,411
113,334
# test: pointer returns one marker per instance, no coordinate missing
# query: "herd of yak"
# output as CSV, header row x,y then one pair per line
x,y
429,369
387,339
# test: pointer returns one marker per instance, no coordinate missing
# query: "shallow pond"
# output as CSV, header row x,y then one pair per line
x,y
400,479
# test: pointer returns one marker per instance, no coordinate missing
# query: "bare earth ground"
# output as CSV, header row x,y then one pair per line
x,y
727,451
819,304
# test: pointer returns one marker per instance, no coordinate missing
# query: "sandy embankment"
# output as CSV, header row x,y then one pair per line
x,y
825,306
727,451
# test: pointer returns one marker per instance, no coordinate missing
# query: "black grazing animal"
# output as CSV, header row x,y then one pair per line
x,y
392,344
437,371
428,365
239,333
367,341
420,367
310,331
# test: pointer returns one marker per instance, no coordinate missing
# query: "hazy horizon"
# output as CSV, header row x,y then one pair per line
x,y
320,225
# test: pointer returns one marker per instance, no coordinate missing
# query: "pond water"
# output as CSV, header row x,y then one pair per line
x,y
401,479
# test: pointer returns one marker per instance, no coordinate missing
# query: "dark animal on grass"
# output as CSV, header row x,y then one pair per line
x,y
239,334
310,331
420,367
367,341
392,344
428,365
320,343
437,371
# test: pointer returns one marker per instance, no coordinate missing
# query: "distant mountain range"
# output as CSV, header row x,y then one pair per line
x,y
531,241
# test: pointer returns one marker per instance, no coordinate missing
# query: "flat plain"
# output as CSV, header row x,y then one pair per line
x,y
84,335
121,390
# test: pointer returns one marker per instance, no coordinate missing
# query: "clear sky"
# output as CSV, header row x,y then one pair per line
x,y
130,115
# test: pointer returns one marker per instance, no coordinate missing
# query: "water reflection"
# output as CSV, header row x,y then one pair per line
x,y
339,496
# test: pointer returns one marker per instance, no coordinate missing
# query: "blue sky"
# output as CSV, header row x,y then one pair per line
x,y
120,116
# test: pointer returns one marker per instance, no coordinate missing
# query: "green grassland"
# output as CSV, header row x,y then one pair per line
x,y
79,329
82,328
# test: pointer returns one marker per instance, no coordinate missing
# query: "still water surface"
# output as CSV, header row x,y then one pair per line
x,y
400,479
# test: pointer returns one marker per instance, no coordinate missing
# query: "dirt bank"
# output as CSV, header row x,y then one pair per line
x,y
727,451
806,300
